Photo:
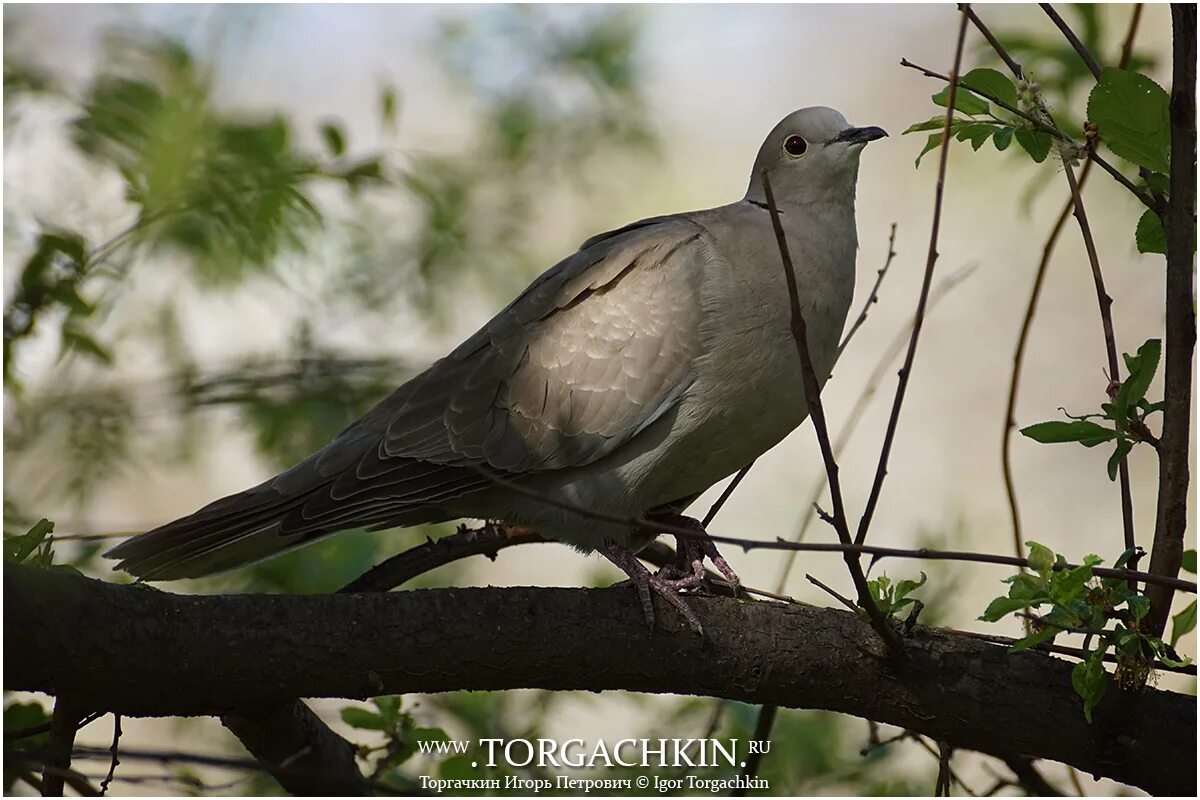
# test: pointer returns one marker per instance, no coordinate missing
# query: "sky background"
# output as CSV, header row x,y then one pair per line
x,y
718,78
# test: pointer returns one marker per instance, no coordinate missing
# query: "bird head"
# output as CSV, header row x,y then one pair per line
x,y
811,156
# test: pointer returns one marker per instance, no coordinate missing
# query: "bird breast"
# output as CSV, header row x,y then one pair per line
x,y
748,392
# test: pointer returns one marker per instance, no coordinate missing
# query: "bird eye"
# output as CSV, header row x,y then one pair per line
x,y
795,145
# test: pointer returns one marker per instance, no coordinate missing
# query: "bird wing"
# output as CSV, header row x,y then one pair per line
x,y
595,350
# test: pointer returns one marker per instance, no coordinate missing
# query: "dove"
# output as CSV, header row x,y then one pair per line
x,y
621,384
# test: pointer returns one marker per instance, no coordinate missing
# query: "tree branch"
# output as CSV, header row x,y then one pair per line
x,y
298,749
138,651
889,437
1082,51
1110,341
64,724
1180,223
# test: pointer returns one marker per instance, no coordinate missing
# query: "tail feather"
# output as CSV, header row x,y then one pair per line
x,y
264,521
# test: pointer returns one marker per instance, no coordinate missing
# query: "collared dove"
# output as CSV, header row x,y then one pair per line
x,y
626,380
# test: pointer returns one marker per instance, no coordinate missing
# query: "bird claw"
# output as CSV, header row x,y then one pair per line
x,y
671,580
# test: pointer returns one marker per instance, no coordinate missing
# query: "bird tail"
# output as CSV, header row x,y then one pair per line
x,y
236,530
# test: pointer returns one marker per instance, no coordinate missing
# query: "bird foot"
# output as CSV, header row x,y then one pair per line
x,y
693,549
668,582
645,583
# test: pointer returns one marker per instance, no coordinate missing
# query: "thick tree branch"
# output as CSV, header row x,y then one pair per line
x,y
298,749
1180,223
138,651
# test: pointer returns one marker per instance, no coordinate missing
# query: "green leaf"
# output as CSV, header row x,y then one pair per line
x,y
934,140
430,735
907,585
335,140
1002,138
1141,372
75,338
1041,558
24,715
1090,680
19,548
964,101
992,82
1189,561
1119,452
1150,236
1032,589
977,133
1183,623
1002,607
1138,605
1036,144
1123,559
1132,115
1034,639
1159,182
388,105
389,707
1089,434
457,768
357,717
1068,585
933,124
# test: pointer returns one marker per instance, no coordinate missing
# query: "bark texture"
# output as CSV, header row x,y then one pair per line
x,y
140,651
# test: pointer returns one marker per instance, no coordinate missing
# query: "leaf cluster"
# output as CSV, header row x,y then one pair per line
x,y
1108,612
1126,412
1126,111
894,597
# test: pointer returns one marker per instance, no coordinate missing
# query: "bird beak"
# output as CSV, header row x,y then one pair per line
x,y
860,135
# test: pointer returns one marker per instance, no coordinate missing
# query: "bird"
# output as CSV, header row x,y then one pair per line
x,y
626,380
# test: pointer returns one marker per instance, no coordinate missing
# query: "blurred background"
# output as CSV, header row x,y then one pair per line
x,y
229,230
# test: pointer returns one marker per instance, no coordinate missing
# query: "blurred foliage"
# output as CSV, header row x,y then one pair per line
x,y
1061,77
1051,60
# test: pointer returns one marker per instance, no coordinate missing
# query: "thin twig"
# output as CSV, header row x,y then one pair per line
x,y
816,412
1127,45
873,297
1110,341
1028,777
1076,784
829,547
943,753
926,283
112,767
762,733
992,40
1080,49
1014,383
431,554
927,554
1062,649
726,494
840,598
